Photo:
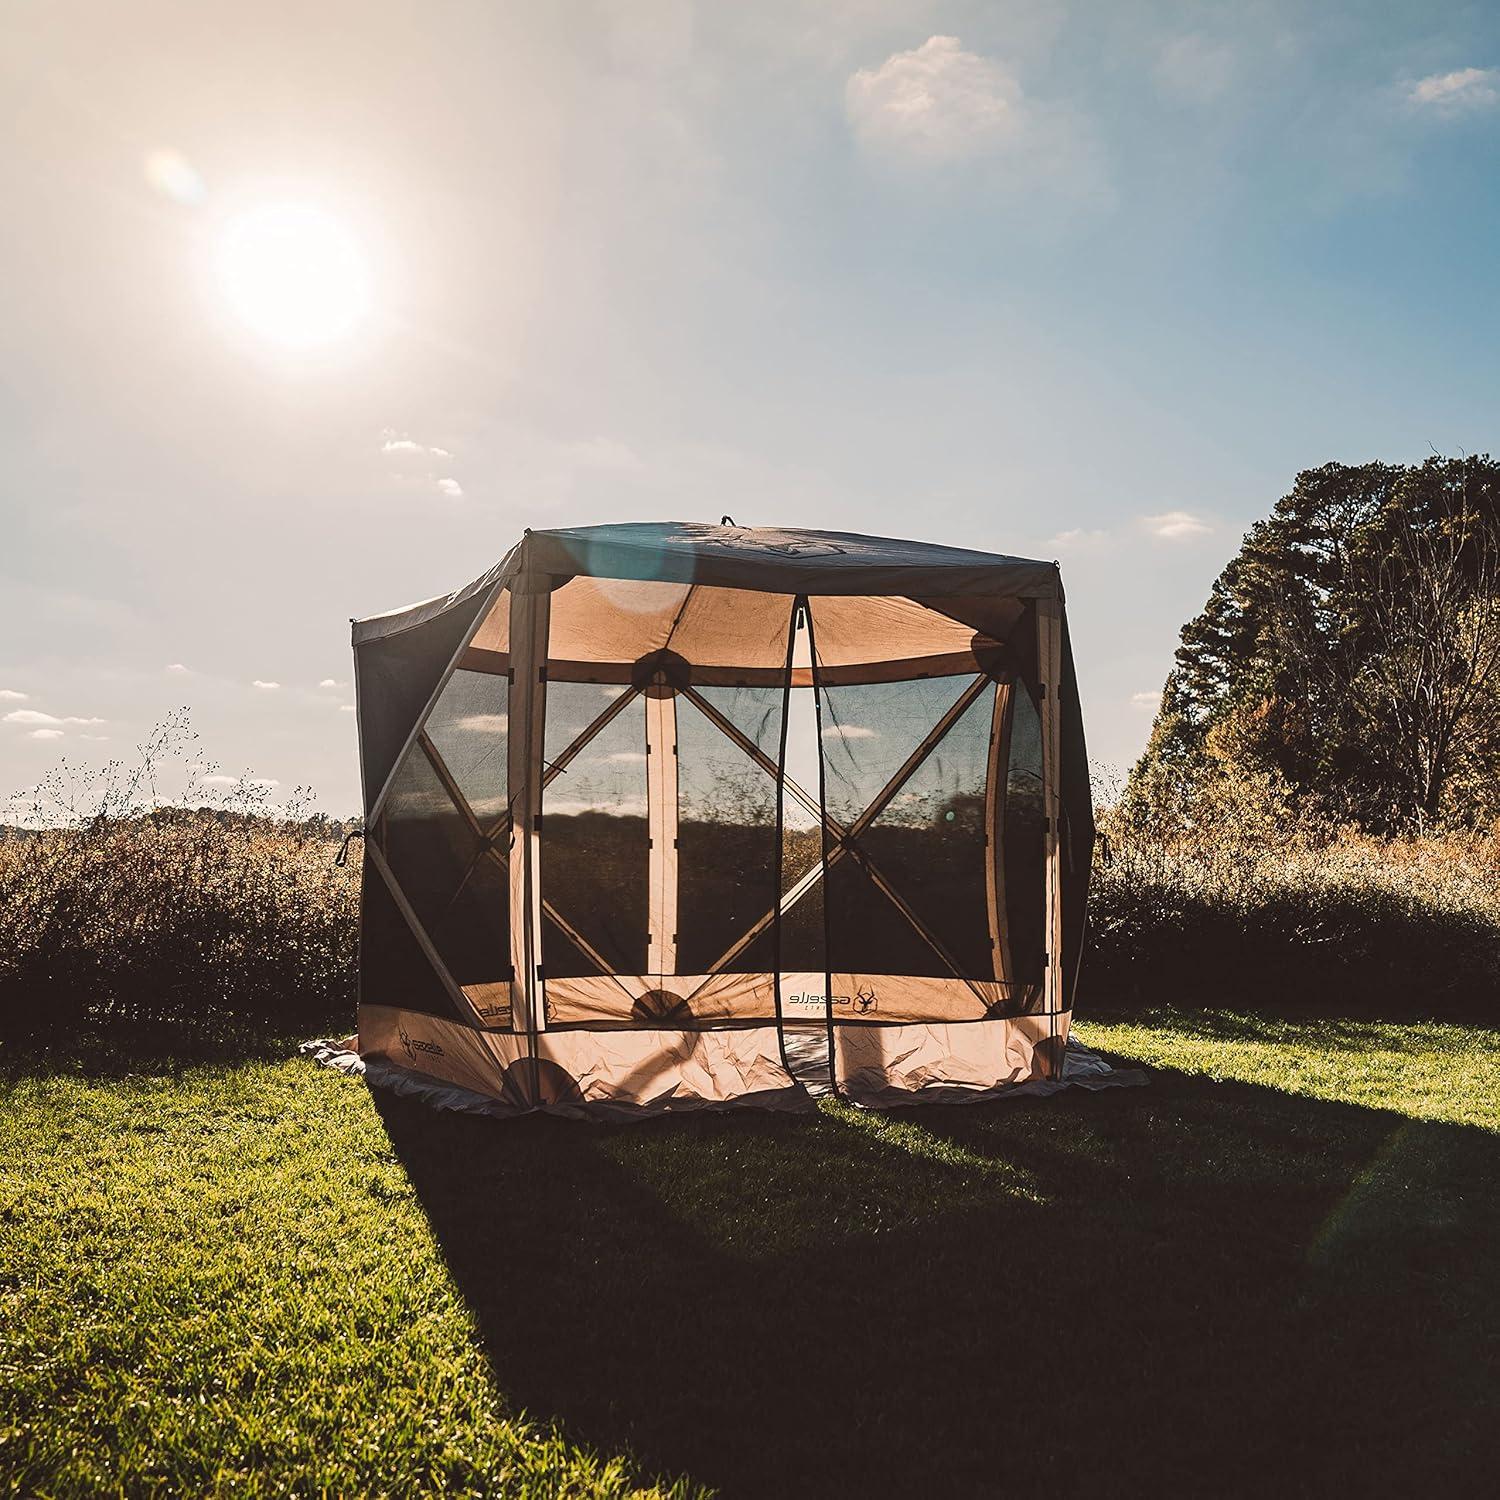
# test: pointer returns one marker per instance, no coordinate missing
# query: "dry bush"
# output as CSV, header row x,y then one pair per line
x,y
135,926
1240,900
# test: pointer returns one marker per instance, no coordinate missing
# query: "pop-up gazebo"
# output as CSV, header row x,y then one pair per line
x,y
667,815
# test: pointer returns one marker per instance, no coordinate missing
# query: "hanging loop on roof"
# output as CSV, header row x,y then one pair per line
x,y
342,858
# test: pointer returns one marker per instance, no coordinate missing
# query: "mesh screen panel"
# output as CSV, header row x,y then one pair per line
x,y
870,730
755,712
393,970
468,727
726,832
1023,842
927,845
472,934
594,837
802,927
801,849
427,842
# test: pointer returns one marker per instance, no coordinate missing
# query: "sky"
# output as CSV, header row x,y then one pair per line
x,y
1079,281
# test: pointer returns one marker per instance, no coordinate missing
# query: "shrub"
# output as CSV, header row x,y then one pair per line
x,y
1242,902
137,926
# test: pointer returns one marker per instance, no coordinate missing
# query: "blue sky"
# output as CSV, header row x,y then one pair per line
x,y
1079,281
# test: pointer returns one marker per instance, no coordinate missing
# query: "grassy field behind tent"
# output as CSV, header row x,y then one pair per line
x,y
1275,1269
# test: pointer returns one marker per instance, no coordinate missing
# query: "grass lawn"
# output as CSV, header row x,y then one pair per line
x,y
1277,1268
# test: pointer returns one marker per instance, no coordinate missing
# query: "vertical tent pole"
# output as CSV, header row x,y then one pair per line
x,y
994,829
815,672
530,612
661,817
1049,674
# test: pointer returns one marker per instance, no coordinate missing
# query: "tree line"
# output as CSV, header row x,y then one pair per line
x,y
1347,661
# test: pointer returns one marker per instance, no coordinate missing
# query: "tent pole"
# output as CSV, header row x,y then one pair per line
x,y
661,818
994,832
1049,676
824,832
530,610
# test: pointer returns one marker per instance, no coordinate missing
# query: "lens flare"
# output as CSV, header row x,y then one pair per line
x,y
175,177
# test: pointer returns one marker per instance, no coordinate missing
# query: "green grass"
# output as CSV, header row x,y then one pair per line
x,y
1275,1269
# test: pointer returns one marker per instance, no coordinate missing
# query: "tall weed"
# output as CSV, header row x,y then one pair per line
x,y
214,920
1241,900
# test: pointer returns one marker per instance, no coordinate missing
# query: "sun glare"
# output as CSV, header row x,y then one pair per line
x,y
294,275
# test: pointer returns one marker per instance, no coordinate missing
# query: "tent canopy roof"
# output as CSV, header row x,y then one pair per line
x,y
743,557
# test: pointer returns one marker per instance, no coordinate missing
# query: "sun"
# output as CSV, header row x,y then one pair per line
x,y
294,275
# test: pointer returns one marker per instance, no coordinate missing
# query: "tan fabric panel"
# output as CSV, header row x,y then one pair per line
x,y
654,1068
494,630
994,615
615,620
905,997
442,1049
620,999
492,1004
857,629
733,628
875,1060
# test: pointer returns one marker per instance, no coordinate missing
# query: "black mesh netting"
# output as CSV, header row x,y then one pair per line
x,y
473,933
393,969
429,845
454,883
468,728
726,832
909,893
594,846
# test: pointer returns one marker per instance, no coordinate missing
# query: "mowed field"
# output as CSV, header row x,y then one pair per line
x,y
1276,1269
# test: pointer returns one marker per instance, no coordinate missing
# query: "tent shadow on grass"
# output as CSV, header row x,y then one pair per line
x,y
1197,1287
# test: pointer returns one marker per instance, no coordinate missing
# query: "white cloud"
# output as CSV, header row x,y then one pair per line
x,y
1176,526
1194,68
625,757
176,666
850,732
100,738
46,734
10,695
1146,700
393,442
329,682
265,686
473,723
937,102
346,708
46,721
451,488
1463,89
228,783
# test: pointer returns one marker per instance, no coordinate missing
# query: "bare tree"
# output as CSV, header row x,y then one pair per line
x,y
1428,688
